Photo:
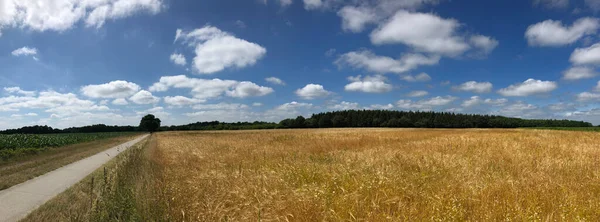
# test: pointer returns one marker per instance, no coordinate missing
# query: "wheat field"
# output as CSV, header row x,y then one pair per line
x,y
381,175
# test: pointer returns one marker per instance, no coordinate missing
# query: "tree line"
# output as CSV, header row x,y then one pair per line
x,y
389,118
347,118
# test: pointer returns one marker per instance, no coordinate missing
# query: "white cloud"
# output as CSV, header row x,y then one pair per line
x,y
24,115
597,88
587,96
144,97
484,43
425,104
51,101
586,56
473,101
312,91
18,90
217,50
368,84
248,89
380,107
576,73
421,77
344,106
210,88
553,33
354,19
24,51
552,3
495,102
430,33
476,87
221,106
64,14
114,89
418,93
529,87
120,102
365,59
178,59
158,111
520,110
257,104
181,100
275,80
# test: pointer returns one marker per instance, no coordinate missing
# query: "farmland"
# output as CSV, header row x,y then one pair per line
x,y
355,174
23,157
22,144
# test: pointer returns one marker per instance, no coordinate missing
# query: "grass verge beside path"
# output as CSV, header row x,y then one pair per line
x,y
18,170
128,188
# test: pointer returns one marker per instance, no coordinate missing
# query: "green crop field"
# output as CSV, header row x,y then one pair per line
x,y
20,144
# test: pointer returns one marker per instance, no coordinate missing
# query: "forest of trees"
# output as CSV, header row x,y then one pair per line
x,y
348,118
387,118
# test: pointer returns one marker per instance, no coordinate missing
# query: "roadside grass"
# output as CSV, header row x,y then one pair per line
x,y
381,175
128,188
37,162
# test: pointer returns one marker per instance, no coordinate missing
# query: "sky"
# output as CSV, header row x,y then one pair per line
x,y
67,63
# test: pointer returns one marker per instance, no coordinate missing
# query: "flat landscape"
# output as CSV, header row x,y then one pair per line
x,y
362,174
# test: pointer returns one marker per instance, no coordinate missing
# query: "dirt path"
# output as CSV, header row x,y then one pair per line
x,y
16,202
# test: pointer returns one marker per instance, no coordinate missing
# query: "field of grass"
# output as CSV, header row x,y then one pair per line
x,y
15,145
25,166
366,175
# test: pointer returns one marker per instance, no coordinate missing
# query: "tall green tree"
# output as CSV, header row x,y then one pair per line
x,y
150,123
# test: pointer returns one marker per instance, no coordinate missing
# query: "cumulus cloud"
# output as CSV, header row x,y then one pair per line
x,y
425,104
120,102
529,87
354,19
217,50
221,106
429,33
63,15
114,89
18,90
576,73
275,80
476,87
24,51
520,110
553,33
211,88
586,56
418,93
421,77
368,84
248,89
485,44
597,88
50,101
312,91
367,60
588,96
178,59
144,97
344,106
181,100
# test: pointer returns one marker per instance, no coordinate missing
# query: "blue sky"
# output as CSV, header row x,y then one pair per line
x,y
77,62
